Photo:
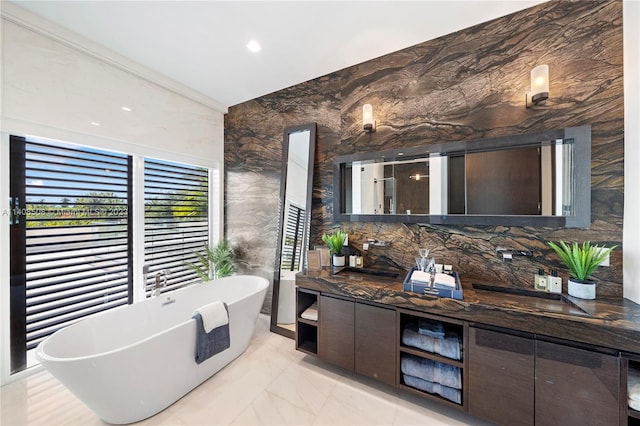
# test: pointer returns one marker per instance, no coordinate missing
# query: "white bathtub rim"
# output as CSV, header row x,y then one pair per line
x,y
41,356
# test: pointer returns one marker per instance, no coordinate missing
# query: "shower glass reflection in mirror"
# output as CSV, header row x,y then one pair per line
x,y
528,181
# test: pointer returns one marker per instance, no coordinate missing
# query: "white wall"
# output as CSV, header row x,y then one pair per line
x,y
53,90
631,228
54,84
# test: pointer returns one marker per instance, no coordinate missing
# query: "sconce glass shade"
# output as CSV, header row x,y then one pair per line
x,y
368,122
539,83
418,176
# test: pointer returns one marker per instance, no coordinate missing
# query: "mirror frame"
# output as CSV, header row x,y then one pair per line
x,y
288,131
582,183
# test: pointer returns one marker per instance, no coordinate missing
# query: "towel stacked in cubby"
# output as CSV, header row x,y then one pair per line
x,y
633,388
429,327
432,376
446,392
448,345
311,313
431,370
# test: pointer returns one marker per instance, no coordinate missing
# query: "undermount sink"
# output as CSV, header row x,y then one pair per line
x,y
369,271
550,302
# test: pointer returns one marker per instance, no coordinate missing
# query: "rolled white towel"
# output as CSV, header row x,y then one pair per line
x,y
213,315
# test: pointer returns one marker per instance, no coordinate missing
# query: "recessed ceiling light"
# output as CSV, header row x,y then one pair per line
x,y
126,108
254,46
95,123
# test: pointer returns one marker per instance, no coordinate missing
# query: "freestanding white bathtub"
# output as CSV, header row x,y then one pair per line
x,y
132,362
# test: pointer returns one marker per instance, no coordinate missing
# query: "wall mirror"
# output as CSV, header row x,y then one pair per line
x,y
296,184
537,179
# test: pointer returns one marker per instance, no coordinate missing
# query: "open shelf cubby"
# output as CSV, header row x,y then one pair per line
x,y
409,349
631,371
306,329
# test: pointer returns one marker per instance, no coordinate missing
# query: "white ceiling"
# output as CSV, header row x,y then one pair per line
x,y
202,44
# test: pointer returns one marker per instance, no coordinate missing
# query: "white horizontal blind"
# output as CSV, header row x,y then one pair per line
x,y
77,234
176,220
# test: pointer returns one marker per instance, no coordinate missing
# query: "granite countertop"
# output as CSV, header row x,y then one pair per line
x,y
609,323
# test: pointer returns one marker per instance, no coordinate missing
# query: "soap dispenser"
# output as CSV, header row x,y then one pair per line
x,y
540,280
554,282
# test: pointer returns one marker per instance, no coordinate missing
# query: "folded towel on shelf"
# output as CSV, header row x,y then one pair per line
x,y
633,388
444,280
432,371
430,327
311,313
446,392
214,341
447,346
213,315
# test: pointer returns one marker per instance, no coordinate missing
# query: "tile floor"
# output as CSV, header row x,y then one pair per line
x,y
270,384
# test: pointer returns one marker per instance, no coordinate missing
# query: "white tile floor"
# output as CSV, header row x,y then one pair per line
x,y
270,384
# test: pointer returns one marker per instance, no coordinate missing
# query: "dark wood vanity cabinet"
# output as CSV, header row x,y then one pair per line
x,y
576,386
375,347
358,337
508,377
337,331
520,380
501,376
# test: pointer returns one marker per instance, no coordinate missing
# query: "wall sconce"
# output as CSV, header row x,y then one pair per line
x,y
418,176
368,122
539,86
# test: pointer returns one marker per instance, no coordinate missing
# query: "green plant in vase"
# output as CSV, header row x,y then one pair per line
x,y
335,242
582,261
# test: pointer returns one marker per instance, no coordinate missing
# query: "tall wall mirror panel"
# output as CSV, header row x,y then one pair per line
x,y
296,184
539,179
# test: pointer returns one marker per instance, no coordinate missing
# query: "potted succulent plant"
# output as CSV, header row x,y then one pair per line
x,y
581,261
335,242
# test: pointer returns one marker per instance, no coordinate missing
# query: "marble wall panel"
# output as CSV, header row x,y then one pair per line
x,y
253,162
463,86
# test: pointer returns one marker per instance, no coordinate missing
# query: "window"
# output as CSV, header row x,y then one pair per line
x,y
175,220
70,238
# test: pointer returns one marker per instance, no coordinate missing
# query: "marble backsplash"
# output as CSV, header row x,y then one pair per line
x,y
466,85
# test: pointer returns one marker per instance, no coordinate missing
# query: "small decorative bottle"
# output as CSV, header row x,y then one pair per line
x,y
540,280
554,282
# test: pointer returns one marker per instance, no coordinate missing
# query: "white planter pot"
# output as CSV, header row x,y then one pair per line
x,y
338,260
581,289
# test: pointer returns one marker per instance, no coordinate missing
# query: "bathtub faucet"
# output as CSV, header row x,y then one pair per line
x,y
161,282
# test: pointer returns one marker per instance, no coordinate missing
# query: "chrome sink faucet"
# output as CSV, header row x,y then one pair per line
x,y
508,254
160,282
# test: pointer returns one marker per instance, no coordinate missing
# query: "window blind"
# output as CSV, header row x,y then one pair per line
x,y
176,220
75,217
